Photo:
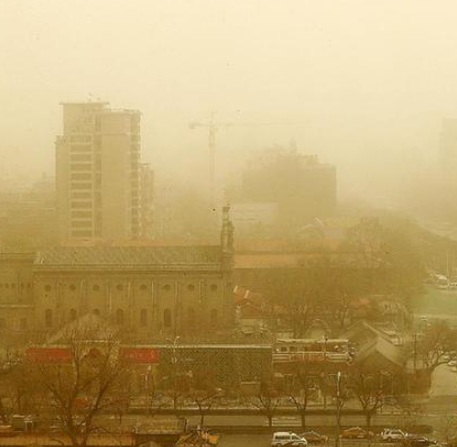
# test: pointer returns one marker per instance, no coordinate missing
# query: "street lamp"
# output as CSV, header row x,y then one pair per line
x,y
338,415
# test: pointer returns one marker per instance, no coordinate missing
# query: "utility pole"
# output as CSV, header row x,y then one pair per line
x,y
415,351
174,362
338,409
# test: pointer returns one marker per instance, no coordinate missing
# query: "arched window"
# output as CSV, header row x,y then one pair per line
x,y
213,317
120,287
144,317
96,312
73,314
213,287
119,316
167,318
48,318
191,318
72,287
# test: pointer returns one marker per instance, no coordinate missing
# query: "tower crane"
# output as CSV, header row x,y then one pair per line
x,y
213,127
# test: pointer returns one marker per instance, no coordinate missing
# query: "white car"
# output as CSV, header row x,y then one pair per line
x,y
393,434
286,438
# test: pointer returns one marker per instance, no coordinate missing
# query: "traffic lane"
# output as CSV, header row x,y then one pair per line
x,y
295,421
264,440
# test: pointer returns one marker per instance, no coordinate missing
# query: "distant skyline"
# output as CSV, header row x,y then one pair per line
x,y
364,83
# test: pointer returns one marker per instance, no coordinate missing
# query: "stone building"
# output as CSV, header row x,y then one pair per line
x,y
151,293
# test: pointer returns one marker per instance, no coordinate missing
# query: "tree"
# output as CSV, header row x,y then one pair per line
x,y
367,386
389,249
204,400
90,378
290,291
306,387
431,348
266,402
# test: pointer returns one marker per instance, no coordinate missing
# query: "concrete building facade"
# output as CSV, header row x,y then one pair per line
x,y
98,173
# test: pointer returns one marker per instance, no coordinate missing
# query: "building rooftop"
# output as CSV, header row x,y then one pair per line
x,y
129,256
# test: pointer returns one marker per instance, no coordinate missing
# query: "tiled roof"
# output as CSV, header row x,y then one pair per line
x,y
129,256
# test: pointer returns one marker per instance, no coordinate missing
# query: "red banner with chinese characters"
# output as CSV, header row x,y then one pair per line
x,y
49,355
140,355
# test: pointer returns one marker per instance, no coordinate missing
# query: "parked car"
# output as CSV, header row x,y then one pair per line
x,y
286,438
313,437
412,440
393,435
356,433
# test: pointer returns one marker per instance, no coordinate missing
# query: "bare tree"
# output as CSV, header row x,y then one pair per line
x,y
204,400
431,349
306,387
266,402
90,379
367,386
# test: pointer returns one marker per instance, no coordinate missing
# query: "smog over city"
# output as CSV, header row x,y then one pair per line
x,y
228,223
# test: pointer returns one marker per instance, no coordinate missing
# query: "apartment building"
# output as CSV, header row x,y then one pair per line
x,y
98,173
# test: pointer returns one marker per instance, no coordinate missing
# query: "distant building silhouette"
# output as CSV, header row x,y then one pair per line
x,y
283,188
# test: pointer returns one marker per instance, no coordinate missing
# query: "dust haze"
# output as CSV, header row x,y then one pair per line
x,y
364,84
228,223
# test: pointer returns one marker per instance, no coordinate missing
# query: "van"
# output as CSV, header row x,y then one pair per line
x,y
285,438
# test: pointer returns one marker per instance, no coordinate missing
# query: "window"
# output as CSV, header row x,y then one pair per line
x,y
213,287
2,323
73,314
82,224
144,317
120,316
96,312
81,176
80,233
72,287
47,288
167,318
191,318
81,157
13,285
143,287
81,167
167,287
213,317
190,287
119,287
82,214
81,186
81,195
48,318
23,324
81,205
96,288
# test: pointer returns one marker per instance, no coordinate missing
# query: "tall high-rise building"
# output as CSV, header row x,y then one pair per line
x,y
98,173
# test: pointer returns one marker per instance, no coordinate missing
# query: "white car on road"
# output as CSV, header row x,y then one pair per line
x,y
287,438
393,435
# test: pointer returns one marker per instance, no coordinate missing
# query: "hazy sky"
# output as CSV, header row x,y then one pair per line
x,y
356,81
